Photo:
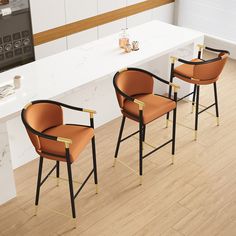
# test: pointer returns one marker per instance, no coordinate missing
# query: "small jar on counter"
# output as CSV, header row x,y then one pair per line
x,y
135,45
128,48
124,38
17,81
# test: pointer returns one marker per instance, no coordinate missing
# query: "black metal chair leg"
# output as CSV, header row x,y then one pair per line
x,y
70,184
216,104
140,147
94,163
58,172
170,90
197,111
194,97
144,132
173,134
38,184
119,138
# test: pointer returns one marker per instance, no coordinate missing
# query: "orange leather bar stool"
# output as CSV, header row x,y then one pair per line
x,y
58,142
134,90
199,72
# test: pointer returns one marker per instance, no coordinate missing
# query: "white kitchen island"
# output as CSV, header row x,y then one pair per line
x,y
82,76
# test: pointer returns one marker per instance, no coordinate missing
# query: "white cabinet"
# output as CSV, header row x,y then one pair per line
x,y
50,48
83,37
164,13
113,27
47,15
139,18
108,5
78,10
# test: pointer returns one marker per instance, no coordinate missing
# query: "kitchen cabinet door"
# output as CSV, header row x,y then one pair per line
x,y
47,14
164,13
139,18
115,26
78,10
50,48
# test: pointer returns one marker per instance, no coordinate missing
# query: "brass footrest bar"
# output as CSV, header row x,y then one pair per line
x,y
157,148
55,211
132,170
144,142
66,180
201,105
185,126
85,181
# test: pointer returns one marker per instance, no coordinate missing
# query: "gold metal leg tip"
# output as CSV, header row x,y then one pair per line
x,y
167,123
173,159
114,163
140,180
36,210
218,121
192,109
75,223
195,135
96,188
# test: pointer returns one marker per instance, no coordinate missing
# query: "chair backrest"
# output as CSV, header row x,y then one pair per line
x,y
133,82
210,70
40,117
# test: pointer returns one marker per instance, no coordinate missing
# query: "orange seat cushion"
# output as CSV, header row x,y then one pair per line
x,y
155,107
186,70
79,135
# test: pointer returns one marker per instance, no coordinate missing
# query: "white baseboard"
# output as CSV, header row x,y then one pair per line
x,y
216,42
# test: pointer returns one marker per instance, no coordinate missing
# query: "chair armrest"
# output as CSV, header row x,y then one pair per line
x,y
149,73
213,49
63,105
174,59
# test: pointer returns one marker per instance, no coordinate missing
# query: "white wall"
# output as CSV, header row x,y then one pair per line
x,y
68,11
215,18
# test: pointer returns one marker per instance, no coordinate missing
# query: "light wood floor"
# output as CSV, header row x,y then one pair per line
x,y
196,196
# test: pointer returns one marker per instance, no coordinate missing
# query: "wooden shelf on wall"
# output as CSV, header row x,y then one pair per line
x,y
78,26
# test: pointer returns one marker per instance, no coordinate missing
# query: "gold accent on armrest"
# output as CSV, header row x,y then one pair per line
x,y
91,112
173,59
195,79
200,47
224,56
66,141
140,103
27,105
122,70
175,86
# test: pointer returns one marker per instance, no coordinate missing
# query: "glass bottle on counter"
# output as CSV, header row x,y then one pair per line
x,y
124,38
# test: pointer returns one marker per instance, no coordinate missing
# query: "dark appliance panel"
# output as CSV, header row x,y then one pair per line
x,y
16,42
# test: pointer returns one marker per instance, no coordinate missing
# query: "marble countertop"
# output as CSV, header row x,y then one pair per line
x,y
59,74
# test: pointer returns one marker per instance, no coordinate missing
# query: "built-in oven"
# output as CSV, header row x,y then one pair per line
x,y
16,40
